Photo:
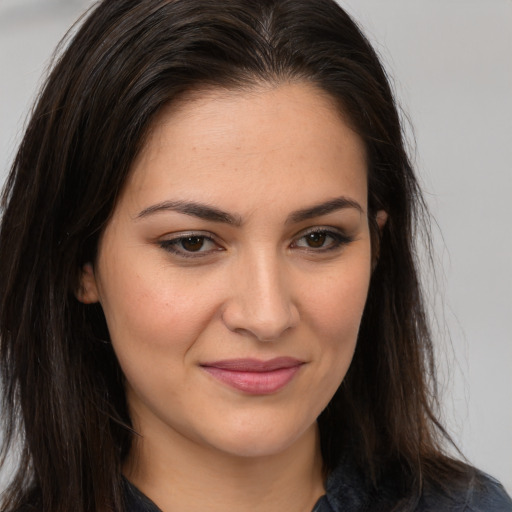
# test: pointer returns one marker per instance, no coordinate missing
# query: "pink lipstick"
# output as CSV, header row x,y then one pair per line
x,y
253,376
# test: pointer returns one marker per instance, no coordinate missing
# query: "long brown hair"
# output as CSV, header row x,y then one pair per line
x,y
62,386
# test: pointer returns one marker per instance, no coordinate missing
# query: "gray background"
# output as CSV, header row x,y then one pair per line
x,y
451,61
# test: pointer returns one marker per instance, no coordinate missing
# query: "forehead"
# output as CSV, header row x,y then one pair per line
x,y
241,147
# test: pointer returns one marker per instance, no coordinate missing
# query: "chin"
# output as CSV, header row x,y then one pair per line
x,y
262,442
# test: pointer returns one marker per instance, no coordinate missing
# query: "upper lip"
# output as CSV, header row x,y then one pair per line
x,y
254,365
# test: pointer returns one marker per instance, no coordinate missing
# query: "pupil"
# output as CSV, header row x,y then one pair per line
x,y
316,239
192,243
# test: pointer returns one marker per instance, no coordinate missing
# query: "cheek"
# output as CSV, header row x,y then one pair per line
x,y
152,313
336,308
335,316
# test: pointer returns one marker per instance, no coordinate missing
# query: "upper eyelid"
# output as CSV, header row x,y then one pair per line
x,y
169,237
320,229
215,238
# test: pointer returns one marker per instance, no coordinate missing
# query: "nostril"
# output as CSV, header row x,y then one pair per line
x,y
261,304
269,327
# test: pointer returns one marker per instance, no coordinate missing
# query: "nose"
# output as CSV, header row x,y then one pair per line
x,y
261,303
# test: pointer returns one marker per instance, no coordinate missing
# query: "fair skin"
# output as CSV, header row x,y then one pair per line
x,y
233,275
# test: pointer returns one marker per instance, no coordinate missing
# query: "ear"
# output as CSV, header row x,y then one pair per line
x,y
88,290
381,218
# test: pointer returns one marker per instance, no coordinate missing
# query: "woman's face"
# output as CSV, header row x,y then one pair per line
x,y
234,271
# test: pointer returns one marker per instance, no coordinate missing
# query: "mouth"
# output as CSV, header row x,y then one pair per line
x,y
253,376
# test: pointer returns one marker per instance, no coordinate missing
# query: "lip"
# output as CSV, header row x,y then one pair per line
x,y
253,376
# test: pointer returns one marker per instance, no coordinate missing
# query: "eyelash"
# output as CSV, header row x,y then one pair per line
x,y
171,245
339,240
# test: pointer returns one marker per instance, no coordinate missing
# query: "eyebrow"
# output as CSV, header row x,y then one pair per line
x,y
206,212
199,210
339,203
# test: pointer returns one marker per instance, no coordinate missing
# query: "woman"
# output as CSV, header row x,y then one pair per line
x,y
210,299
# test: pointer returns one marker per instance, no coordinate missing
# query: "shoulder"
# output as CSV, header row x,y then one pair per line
x,y
135,500
348,489
482,494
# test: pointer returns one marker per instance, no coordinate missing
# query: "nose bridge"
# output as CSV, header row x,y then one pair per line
x,y
261,302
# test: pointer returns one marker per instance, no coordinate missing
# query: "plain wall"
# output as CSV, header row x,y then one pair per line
x,y
451,61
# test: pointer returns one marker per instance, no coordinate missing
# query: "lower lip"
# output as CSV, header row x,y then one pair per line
x,y
254,383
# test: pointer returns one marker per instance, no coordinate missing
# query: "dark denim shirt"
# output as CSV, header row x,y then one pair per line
x,y
346,491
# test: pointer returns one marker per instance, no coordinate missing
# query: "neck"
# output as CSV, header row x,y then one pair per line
x,y
187,476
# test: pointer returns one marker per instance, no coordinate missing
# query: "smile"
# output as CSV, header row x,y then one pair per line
x,y
255,377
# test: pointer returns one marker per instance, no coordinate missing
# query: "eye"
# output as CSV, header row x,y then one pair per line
x,y
321,240
316,239
190,245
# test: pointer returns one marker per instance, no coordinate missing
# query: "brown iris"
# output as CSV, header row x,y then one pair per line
x,y
316,239
192,243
